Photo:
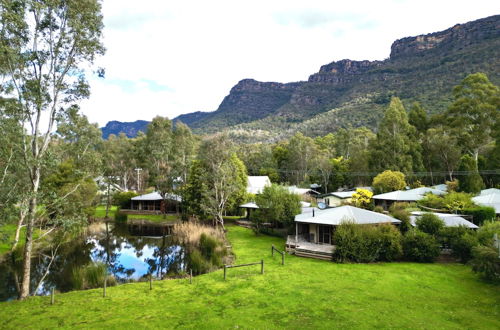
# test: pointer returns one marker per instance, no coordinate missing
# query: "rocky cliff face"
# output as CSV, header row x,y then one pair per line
x,y
130,129
458,36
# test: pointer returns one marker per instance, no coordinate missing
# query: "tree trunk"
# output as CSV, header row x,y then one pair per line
x,y
25,284
22,215
28,247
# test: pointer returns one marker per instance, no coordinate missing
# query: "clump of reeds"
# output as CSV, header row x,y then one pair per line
x,y
189,233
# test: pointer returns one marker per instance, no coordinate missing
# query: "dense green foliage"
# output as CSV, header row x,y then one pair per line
x,y
480,214
355,243
122,199
276,205
485,261
420,247
389,181
429,223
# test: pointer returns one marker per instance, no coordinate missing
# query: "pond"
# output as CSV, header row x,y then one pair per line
x,y
130,251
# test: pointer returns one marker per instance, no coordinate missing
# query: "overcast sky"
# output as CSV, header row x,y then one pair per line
x,y
172,57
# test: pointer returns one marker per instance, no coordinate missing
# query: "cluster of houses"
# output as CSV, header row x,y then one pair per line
x,y
315,226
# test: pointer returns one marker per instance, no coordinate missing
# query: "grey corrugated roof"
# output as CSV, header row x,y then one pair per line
x,y
491,200
343,194
442,187
155,196
408,195
490,191
249,205
335,216
450,220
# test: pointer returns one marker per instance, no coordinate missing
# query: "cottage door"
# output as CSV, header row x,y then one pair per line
x,y
325,234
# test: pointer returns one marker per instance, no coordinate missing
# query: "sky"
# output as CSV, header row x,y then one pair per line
x,y
168,57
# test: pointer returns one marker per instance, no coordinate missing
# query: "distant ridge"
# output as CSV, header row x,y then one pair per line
x,y
345,93
130,129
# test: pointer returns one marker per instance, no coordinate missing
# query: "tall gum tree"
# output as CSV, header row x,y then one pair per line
x,y
474,112
45,45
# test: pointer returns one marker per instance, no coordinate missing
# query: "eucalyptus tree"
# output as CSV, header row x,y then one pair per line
x,y
222,177
395,147
45,46
474,112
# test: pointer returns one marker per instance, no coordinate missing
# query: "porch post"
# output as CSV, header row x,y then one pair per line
x,y
296,232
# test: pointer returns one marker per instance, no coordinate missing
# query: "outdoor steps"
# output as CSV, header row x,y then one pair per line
x,y
313,254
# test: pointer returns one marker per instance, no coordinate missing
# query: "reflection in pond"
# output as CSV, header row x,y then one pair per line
x,y
131,252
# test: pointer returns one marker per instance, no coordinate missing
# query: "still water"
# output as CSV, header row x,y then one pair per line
x,y
131,252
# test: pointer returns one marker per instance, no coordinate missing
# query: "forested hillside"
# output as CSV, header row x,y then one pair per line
x,y
354,93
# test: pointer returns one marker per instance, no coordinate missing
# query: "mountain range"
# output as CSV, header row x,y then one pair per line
x,y
354,93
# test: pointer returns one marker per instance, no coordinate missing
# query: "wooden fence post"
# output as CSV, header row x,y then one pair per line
x,y
262,266
190,276
225,271
104,286
52,293
272,250
150,281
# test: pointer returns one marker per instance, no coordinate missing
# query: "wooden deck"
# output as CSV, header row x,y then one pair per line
x,y
303,248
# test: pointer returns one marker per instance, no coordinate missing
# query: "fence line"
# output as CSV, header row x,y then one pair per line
x,y
261,263
280,252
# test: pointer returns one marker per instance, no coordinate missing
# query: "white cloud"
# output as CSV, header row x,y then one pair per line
x,y
167,58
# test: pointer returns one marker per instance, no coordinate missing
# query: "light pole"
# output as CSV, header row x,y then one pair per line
x,y
138,170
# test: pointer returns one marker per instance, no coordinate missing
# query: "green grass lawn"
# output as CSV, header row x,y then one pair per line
x,y
305,293
100,212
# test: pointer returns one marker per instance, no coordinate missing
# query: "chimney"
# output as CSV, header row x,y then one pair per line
x,y
313,213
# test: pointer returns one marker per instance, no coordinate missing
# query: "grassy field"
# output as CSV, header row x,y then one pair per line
x,y
304,293
100,212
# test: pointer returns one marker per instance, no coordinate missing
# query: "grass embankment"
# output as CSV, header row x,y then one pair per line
x,y
100,212
7,234
305,293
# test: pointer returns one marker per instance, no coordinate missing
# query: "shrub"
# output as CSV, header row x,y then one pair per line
x,y
485,261
390,239
433,201
122,199
389,181
480,214
463,245
398,206
378,209
429,223
419,246
358,243
404,217
457,201
486,232
120,216
363,198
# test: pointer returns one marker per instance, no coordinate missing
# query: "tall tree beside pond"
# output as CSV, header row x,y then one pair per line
x,y
395,147
185,149
120,158
474,112
45,45
223,177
